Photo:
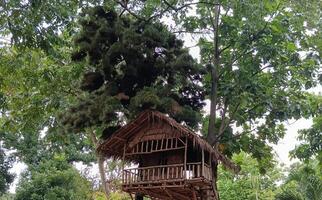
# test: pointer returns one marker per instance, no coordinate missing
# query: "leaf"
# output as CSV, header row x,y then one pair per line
x,y
291,46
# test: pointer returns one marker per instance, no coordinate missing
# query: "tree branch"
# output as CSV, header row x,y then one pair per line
x,y
223,127
124,6
188,4
226,47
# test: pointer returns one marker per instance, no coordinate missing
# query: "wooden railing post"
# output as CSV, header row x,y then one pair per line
x,y
123,164
203,163
185,158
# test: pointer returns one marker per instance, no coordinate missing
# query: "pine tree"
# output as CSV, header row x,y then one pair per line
x,y
133,65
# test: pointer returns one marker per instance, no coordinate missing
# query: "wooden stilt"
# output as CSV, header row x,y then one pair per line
x,y
194,196
203,163
185,158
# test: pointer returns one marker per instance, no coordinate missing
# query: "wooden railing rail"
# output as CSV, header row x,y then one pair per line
x,y
166,172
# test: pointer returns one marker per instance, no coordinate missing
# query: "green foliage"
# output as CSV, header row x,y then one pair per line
x,y
38,24
119,196
303,182
311,142
143,65
249,184
53,179
7,197
268,56
34,88
6,178
270,53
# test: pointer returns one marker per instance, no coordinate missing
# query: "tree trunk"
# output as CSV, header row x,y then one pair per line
x,y
102,172
214,178
101,167
212,135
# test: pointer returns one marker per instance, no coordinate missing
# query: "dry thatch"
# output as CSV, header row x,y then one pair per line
x,y
147,120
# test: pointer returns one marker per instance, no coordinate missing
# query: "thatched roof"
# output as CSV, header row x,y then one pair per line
x,y
114,145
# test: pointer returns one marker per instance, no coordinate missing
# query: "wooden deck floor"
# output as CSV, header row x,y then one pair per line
x,y
175,189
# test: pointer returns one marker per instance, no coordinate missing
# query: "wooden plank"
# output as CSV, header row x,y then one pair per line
x,y
162,173
166,144
122,139
142,146
153,174
168,171
148,177
177,172
161,143
185,157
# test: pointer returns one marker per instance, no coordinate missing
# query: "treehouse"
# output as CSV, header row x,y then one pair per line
x,y
172,162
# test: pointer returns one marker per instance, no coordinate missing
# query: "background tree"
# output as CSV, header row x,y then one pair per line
x,y
34,87
261,57
249,184
6,178
53,179
311,142
303,182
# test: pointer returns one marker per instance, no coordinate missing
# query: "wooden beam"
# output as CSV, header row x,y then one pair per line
x,y
138,137
178,195
168,193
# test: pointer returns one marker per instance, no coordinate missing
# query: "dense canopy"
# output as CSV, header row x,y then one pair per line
x,y
132,65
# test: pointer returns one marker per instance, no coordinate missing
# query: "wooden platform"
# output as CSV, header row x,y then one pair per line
x,y
175,182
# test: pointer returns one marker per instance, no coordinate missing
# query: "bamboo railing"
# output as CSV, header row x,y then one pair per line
x,y
164,173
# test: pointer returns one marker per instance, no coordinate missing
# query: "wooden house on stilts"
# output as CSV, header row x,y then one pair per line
x,y
172,161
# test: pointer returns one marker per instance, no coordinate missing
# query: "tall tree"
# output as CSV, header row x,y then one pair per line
x,y
249,184
53,179
261,57
303,182
132,65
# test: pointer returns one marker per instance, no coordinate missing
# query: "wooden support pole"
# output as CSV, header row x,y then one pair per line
x,y
194,196
123,164
185,158
203,163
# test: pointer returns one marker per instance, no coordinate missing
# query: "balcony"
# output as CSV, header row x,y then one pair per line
x,y
166,176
